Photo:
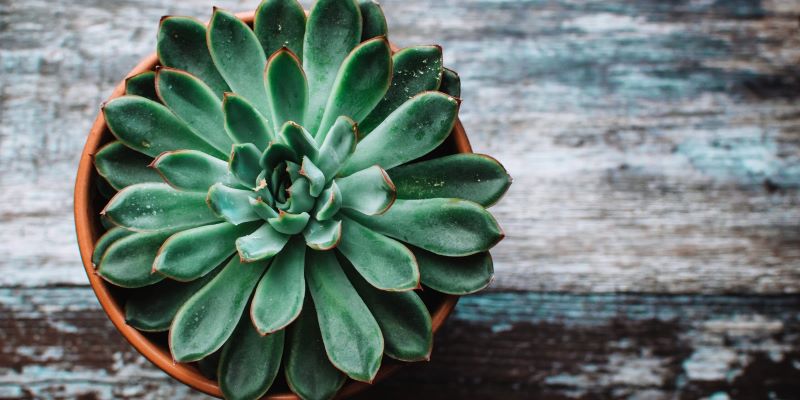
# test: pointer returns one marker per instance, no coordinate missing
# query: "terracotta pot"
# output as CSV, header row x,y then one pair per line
x,y
88,204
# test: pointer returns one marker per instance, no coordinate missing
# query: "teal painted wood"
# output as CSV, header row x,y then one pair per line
x,y
654,147
497,345
672,125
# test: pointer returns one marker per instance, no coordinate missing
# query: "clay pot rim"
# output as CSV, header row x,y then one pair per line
x,y
85,226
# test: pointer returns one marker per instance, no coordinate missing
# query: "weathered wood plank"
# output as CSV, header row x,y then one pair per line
x,y
655,146
57,343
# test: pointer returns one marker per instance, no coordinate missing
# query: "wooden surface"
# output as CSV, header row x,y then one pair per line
x,y
653,229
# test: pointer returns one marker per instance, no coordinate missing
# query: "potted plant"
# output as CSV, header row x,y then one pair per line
x,y
263,201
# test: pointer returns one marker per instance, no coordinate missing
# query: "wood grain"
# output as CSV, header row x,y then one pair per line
x,y
654,148
56,342
653,229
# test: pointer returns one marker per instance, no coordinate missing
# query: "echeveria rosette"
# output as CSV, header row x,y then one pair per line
x,y
271,209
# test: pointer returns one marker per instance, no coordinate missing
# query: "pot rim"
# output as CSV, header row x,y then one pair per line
x,y
85,227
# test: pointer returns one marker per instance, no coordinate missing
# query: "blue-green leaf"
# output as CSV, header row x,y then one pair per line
x,y
372,20
385,263
455,275
369,191
122,167
158,206
262,244
413,130
209,317
280,23
279,296
182,45
244,163
195,104
287,88
473,177
249,362
238,57
106,240
231,204
323,235
353,340
403,318
151,128
416,69
193,253
152,308
339,144
360,84
328,203
449,227
193,171
309,372
244,123
332,30
128,262
451,83
143,84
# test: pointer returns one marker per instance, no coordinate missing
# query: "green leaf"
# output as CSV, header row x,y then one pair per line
x,y
416,69
249,363
153,308
264,210
309,372
385,263
315,177
158,206
182,45
151,128
373,21
288,223
244,123
353,340
233,205
278,298
339,144
238,57
449,227
143,84
280,23
208,318
287,89
193,253
262,244
129,261
332,30
301,200
195,104
360,84
369,191
411,131
193,171
323,235
104,221
473,177
455,275
244,163
328,203
123,167
106,240
451,83
403,318
301,142
276,153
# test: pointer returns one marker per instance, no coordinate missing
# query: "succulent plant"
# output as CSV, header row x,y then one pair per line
x,y
274,204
